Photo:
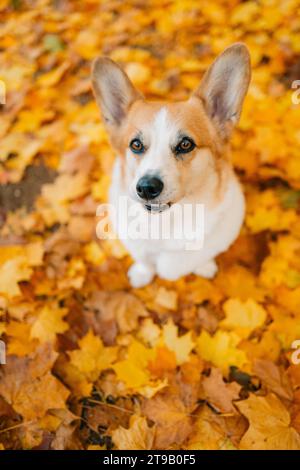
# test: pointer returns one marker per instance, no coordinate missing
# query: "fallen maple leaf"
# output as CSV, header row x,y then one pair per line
x,y
20,341
123,307
173,424
243,317
11,273
269,425
133,370
221,349
28,385
274,378
266,347
49,323
92,357
207,434
180,345
139,436
220,394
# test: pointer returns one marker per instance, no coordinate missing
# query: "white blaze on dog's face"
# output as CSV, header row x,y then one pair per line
x,y
172,150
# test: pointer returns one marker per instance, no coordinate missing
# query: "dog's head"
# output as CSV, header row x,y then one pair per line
x,y
171,150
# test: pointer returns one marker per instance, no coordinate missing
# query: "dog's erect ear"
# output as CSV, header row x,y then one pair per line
x,y
113,90
224,86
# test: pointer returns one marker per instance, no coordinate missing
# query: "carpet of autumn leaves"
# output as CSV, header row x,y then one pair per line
x,y
91,362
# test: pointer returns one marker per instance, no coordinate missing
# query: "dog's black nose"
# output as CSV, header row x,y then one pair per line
x,y
149,187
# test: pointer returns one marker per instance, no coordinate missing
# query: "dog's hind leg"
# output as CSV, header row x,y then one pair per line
x,y
207,270
140,274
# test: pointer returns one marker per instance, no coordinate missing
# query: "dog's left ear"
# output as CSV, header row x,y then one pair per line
x,y
113,90
224,86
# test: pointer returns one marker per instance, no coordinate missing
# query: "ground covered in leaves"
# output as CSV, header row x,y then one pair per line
x,y
92,363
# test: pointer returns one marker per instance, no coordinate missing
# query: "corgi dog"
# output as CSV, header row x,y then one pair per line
x,y
176,154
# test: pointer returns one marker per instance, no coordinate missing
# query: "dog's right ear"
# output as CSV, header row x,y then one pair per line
x,y
113,90
224,86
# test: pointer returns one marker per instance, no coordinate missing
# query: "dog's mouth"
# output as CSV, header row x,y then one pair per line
x,y
156,208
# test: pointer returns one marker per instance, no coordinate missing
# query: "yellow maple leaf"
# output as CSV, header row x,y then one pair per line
x,y
94,254
20,343
270,425
139,436
239,282
243,317
92,357
15,265
264,212
267,347
180,345
282,265
48,323
11,273
132,370
221,349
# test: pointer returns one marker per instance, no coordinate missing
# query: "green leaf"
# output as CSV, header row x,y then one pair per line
x,y
53,43
289,198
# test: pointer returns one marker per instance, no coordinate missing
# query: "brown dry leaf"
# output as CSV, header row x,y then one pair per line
x,y
31,435
220,394
173,424
65,437
139,436
28,385
207,320
269,425
122,307
274,378
78,159
207,434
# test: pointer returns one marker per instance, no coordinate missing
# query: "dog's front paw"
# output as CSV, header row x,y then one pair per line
x,y
140,274
208,270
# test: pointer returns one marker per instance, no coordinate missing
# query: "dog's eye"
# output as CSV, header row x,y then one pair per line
x,y
136,146
185,145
